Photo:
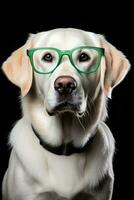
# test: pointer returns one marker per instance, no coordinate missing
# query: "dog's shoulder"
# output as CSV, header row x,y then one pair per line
x,y
107,136
20,129
100,155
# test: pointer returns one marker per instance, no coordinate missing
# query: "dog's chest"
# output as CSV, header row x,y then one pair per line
x,y
69,175
66,174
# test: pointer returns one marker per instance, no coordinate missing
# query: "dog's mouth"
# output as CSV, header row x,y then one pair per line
x,y
65,107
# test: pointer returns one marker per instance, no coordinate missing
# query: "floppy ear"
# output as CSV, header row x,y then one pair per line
x,y
18,70
115,69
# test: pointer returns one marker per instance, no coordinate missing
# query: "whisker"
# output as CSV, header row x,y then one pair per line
x,y
81,123
91,104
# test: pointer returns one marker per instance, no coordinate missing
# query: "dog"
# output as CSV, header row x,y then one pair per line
x,y
61,147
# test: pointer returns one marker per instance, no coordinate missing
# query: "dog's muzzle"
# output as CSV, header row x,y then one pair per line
x,y
67,96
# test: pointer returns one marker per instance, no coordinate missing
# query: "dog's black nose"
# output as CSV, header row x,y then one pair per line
x,y
65,85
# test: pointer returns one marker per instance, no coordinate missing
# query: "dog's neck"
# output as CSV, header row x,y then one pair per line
x,y
65,127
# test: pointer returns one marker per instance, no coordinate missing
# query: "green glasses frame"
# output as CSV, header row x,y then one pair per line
x,y
61,53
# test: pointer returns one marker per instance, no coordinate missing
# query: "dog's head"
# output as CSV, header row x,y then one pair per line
x,y
70,68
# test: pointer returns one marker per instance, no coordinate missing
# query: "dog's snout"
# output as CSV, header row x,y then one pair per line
x,y
65,85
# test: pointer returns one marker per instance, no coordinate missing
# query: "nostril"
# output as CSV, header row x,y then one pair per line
x,y
71,85
59,85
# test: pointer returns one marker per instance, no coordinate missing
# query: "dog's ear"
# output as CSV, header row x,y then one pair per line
x,y
115,69
17,68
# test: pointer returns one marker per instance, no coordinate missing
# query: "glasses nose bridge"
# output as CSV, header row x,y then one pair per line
x,y
67,53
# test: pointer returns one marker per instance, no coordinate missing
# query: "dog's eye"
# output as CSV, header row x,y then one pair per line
x,y
83,57
47,57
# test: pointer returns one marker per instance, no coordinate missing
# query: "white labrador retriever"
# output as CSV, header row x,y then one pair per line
x,y
61,148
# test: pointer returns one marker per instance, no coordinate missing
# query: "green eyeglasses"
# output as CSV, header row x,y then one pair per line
x,y
85,59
